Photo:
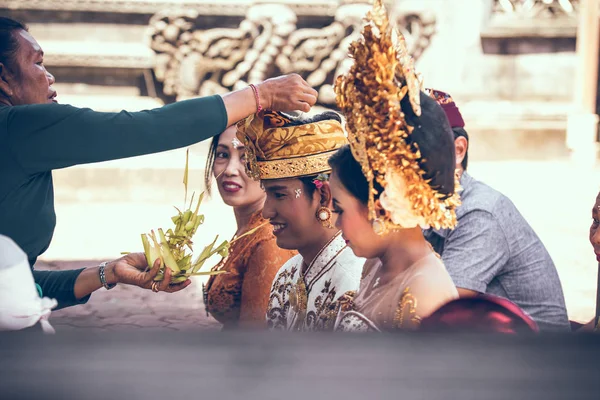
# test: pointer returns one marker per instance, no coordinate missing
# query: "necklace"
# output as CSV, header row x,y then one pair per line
x,y
308,267
298,297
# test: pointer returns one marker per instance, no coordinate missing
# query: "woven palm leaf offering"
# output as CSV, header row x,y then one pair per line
x,y
175,246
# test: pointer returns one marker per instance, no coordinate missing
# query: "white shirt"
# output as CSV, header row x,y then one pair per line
x,y
20,304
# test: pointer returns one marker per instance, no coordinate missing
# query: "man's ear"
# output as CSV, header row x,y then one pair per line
x,y
325,194
461,145
6,80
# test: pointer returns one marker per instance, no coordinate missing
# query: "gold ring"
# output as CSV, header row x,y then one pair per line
x,y
155,287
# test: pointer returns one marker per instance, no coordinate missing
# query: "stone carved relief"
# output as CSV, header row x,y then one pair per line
x,y
266,43
537,8
193,62
319,55
532,18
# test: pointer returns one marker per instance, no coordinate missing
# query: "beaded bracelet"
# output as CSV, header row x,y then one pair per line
x,y
257,98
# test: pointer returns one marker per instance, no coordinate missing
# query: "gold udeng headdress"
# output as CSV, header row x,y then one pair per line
x,y
369,95
275,151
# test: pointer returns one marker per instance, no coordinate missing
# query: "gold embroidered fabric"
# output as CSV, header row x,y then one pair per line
x,y
277,152
295,167
399,303
303,299
299,301
239,298
279,300
406,311
370,97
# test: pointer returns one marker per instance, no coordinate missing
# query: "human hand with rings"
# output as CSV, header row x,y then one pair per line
x,y
132,269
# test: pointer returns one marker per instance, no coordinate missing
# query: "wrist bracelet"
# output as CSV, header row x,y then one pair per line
x,y
103,277
256,98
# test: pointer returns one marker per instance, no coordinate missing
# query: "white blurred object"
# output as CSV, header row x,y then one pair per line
x,y
294,114
20,304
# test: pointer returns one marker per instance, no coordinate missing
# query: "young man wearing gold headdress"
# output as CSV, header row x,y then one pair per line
x,y
396,176
290,158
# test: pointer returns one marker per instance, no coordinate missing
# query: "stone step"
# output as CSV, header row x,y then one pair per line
x,y
112,102
153,178
97,54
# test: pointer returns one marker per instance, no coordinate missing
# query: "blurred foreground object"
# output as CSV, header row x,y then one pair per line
x,y
243,365
20,303
481,314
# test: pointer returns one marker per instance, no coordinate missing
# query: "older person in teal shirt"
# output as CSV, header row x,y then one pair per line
x,y
38,135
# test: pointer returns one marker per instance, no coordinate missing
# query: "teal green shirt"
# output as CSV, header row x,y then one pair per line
x,y
36,139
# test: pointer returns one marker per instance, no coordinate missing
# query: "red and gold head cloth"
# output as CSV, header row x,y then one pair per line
x,y
449,106
276,151
369,95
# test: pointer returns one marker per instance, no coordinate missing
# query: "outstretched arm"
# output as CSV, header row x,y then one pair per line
x,y
74,287
43,137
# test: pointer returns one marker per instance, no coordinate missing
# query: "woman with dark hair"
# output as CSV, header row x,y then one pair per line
x,y
37,136
395,178
290,158
238,299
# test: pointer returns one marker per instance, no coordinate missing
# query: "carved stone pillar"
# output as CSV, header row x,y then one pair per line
x,y
582,126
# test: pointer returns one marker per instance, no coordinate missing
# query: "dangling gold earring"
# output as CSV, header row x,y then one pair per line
x,y
324,217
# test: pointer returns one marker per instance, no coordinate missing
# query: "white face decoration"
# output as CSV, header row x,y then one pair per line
x,y
298,193
236,143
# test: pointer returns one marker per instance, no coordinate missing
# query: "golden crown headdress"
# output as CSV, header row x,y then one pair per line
x,y
277,151
369,95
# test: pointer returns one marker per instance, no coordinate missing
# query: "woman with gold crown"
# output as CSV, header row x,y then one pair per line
x,y
290,158
396,177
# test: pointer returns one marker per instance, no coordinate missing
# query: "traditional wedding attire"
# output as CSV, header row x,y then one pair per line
x,y
238,299
379,99
401,302
303,297
304,293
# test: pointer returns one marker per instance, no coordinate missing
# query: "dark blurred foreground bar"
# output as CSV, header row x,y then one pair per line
x,y
153,365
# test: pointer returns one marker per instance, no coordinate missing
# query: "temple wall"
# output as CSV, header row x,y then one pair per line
x,y
512,73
